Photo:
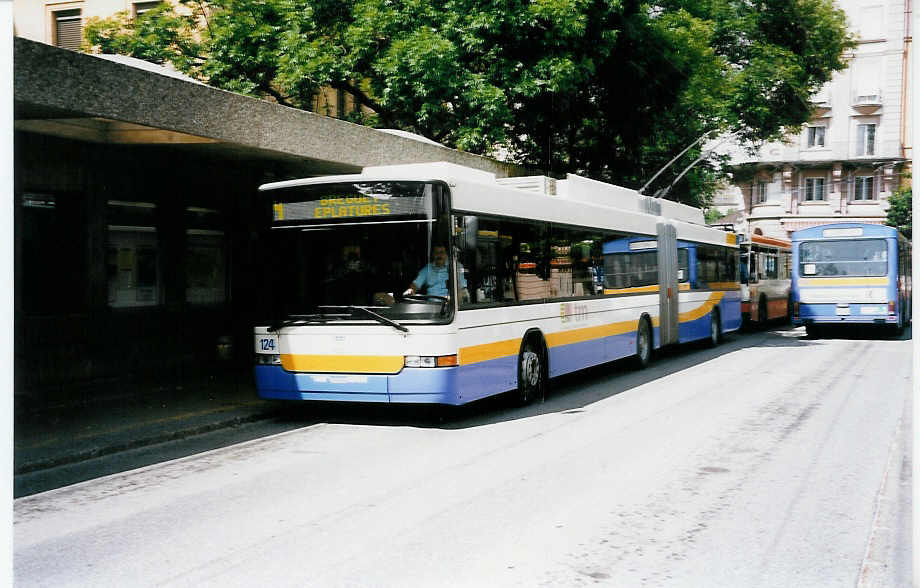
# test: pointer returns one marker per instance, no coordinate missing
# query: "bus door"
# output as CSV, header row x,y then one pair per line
x,y
668,283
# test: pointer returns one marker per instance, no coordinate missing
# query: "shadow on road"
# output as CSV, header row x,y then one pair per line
x,y
861,333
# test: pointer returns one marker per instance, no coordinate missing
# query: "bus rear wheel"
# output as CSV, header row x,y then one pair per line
x,y
643,345
531,373
715,328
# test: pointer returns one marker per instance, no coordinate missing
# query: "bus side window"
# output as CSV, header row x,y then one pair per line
x,y
504,261
683,265
576,263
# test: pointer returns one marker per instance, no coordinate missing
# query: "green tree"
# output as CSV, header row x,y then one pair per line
x,y
611,89
899,213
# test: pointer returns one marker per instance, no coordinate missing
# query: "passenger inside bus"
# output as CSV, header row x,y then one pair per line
x,y
349,276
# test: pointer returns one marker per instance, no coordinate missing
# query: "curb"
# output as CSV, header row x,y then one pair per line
x,y
182,433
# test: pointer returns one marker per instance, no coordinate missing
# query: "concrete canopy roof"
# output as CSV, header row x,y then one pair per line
x,y
75,95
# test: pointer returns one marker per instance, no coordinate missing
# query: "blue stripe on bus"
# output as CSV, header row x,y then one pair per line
x,y
694,330
564,359
486,378
729,314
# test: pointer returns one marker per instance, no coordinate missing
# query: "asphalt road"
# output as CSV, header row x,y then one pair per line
x,y
773,460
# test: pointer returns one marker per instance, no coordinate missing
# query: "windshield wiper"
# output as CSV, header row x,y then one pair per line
x,y
369,312
305,319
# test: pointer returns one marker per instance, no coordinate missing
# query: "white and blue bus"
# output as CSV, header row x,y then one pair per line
x,y
851,273
436,283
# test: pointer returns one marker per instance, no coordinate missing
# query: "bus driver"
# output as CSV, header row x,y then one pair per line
x,y
433,277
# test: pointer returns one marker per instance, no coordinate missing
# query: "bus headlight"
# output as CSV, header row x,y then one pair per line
x,y
267,359
430,361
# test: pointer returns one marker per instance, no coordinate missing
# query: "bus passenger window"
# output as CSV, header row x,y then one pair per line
x,y
632,262
576,263
503,261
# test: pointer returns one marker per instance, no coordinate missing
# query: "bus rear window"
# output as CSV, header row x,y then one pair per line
x,y
863,257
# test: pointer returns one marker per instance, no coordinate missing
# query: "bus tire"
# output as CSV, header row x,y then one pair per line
x,y
811,331
715,328
789,310
532,371
644,344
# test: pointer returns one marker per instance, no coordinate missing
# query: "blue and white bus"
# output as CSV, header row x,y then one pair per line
x,y
705,273
851,273
436,283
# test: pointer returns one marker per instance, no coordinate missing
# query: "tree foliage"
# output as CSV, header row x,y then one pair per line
x,y
607,88
900,214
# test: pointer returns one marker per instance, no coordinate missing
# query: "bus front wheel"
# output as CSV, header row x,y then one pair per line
x,y
531,373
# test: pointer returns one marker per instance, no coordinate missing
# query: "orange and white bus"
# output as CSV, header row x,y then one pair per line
x,y
765,279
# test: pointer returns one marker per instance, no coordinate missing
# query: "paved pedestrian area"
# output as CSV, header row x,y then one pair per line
x,y
70,433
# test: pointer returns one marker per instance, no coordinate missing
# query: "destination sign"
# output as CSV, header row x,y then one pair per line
x,y
351,207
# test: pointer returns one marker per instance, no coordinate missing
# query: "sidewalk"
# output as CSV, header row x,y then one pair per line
x,y
69,434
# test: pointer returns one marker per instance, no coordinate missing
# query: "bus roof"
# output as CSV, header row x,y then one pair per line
x,y
843,231
577,201
767,241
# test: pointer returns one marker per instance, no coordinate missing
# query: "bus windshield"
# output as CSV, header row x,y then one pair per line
x,y
376,251
864,257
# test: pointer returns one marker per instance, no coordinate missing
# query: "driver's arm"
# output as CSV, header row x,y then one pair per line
x,y
418,282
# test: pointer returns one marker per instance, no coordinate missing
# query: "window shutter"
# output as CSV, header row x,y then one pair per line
x,y
68,29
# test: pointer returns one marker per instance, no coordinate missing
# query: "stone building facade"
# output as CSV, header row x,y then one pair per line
x,y
854,151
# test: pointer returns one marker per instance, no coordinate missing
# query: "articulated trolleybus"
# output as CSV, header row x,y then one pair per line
x,y
851,273
435,283
765,279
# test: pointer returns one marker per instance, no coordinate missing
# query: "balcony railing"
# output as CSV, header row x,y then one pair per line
x,y
867,98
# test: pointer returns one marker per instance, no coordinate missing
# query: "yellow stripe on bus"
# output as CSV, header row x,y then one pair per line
x,y
653,288
882,281
589,333
487,351
354,364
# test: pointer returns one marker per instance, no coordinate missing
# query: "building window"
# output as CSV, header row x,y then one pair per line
x,y
816,137
205,256
865,136
142,7
814,189
864,188
68,29
760,193
132,255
